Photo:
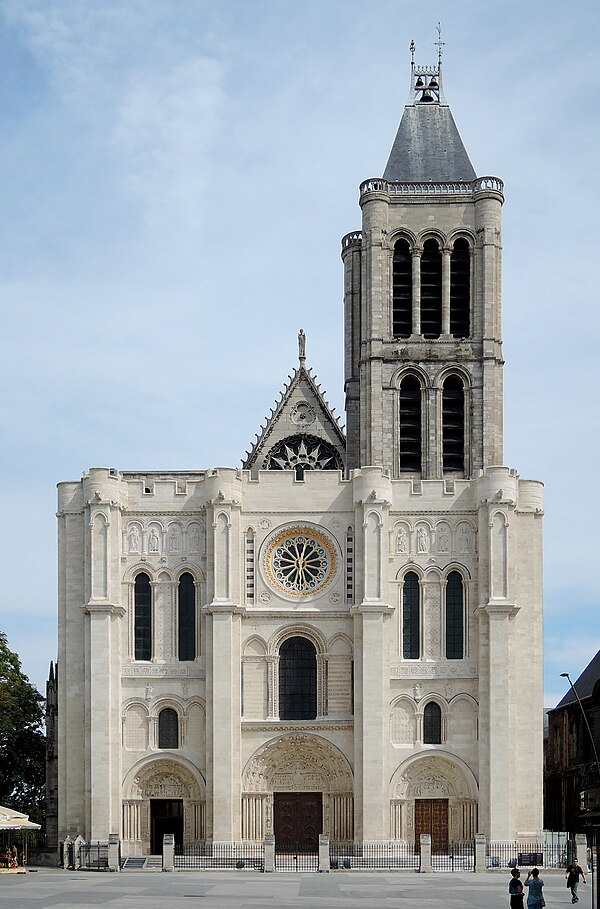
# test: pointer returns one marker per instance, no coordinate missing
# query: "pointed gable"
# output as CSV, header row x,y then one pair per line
x,y
301,430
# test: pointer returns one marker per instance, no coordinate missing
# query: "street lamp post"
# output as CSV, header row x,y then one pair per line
x,y
565,675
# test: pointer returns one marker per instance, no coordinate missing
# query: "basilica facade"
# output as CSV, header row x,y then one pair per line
x,y
344,634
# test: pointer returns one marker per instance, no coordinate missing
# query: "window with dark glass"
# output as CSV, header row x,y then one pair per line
x,y
402,290
454,616
168,728
460,289
187,617
453,425
142,618
411,620
432,724
410,425
297,680
431,290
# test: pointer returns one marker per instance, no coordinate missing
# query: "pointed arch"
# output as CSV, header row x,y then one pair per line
x,y
402,289
411,424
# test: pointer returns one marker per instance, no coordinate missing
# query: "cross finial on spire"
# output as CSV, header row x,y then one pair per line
x,y
412,52
440,44
301,346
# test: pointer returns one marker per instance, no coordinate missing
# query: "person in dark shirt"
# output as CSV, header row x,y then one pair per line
x,y
515,888
572,874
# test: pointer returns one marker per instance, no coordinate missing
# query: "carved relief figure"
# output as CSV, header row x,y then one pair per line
x,y
195,539
402,540
464,538
134,539
422,540
153,541
443,539
174,540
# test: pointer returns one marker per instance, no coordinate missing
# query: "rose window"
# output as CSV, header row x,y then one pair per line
x,y
302,453
299,561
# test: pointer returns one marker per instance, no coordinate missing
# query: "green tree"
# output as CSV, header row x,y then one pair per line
x,y
22,741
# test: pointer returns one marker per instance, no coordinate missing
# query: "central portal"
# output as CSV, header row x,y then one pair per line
x,y
297,820
166,816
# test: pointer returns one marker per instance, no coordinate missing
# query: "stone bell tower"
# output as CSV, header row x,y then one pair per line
x,y
423,343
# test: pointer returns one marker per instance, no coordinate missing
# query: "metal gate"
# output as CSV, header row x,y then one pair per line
x,y
458,857
296,858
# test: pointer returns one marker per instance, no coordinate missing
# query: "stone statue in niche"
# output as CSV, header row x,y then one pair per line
x,y
443,540
421,540
464,538
174,540
402,541
134,540
153,541
195,539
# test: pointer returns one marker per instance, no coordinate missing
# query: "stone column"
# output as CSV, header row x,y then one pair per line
x,y
480,853
324,852
425,842
168,852
113,852
270,852
445,291
416,291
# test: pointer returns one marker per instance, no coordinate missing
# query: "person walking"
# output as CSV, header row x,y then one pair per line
x,y
535,897
572,874
515,889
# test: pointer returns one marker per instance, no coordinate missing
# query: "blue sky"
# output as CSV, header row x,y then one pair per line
x,y
175,178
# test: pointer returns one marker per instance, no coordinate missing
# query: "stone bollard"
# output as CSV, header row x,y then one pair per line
x,y
168,852
269,852
425,841
113,852
324,864
480,853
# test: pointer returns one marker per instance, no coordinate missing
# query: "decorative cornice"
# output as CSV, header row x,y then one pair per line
x,y
320,724
103,608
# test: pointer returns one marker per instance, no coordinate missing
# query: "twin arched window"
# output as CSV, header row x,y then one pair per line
x,y
297,679
411,423
411,617
186,614
433,321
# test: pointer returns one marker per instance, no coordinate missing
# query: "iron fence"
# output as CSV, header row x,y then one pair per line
x,y
93,856
372,856
296,858
219,856
457,857
527,855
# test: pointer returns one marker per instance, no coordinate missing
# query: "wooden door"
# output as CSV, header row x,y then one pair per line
x,y
297,820
431,816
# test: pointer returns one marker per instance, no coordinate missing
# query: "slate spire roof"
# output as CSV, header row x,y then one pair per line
x,y
428,147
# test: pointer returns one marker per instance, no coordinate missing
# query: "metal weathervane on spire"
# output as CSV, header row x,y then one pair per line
x,y
440,44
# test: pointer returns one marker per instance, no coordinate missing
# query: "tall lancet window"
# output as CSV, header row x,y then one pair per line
x,y
454,616
453,425
142,610
431,290
411,617
187,617
460,289
402,290
410,425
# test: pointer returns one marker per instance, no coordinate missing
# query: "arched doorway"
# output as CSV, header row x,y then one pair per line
x,y
298,786
435,794
162,796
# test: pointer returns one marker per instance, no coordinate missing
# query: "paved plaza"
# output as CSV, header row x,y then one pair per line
x,y
55,889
